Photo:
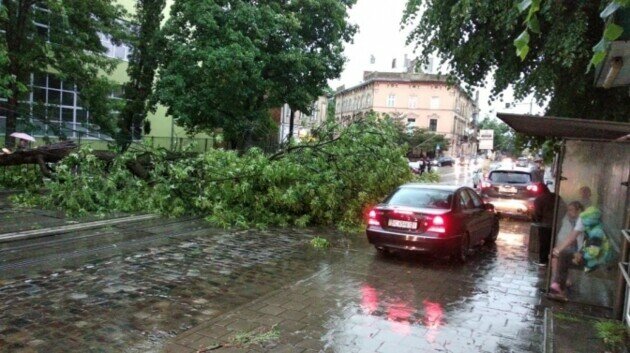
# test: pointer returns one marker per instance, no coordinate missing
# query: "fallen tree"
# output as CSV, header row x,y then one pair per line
x,y
42,155
328,182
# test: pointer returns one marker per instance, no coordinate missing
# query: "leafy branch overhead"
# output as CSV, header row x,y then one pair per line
x,y
611,32
478,40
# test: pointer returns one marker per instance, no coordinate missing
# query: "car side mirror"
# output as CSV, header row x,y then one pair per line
x,y
488,207
548,182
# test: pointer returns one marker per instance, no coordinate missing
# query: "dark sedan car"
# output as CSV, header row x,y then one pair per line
x,y
444,161
436,219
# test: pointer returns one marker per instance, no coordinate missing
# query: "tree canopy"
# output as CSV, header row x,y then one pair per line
x,y
62,37
476,38
143,63
503,135
225,63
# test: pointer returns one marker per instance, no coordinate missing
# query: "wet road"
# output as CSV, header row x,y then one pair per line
x,y
177,286
457,174
363,302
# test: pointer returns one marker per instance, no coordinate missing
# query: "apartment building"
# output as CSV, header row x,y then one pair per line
x,y
303,124
419,100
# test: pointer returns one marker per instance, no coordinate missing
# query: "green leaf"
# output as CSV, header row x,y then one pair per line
x,y
521,44
534,25
522,39
612,31
610,9
522,51
598,58
523,5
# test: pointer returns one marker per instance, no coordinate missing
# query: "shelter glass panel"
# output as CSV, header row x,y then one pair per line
x,y
592,176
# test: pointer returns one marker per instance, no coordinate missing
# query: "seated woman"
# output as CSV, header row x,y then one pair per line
x,y
595,251
568,224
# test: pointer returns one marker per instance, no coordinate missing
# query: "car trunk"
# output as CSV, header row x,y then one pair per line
x,y
402,219
507,190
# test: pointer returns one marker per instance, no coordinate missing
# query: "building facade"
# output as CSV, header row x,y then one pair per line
x,y
303,124
59,103
419,100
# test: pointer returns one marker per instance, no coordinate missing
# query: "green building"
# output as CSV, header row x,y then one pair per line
x,y
60,103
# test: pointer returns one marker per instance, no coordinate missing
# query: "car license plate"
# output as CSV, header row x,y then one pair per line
x,y
508,189
402,224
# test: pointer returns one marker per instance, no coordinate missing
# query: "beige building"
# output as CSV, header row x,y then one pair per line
x,y
303,124
420,100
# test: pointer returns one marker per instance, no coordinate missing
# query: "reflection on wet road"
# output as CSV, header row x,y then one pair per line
x,y
363,302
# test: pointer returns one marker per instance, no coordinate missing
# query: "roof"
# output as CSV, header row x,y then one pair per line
x,y
394,77
432,186
515,169
399,77
566,128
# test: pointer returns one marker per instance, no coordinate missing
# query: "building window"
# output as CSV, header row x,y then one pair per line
x,y
391,100
435,102
58,102
413,102
121,52
411,125
41,20
433,125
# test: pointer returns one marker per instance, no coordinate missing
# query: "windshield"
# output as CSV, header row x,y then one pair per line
x,y
421,198
510,177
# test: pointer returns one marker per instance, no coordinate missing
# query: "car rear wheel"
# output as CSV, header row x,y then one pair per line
x,y
461,254
494,232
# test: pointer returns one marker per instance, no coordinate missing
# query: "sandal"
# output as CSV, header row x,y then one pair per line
x,y
558,297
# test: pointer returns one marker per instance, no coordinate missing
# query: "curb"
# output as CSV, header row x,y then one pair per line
x,y
548,331
44,232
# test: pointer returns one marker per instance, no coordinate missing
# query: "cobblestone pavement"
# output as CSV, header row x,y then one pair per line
x,y
137,299
362,302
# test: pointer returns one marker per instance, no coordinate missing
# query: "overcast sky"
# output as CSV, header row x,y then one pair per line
x,y
380,35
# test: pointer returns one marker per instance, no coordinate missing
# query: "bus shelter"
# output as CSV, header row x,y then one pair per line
x,y
592,170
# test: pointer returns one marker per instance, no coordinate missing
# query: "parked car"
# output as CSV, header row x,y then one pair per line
x,y
522,162
436,219
443,161
513,190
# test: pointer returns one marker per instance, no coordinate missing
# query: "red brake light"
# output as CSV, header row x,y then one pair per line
x,y
485,184
532,188
373,218
437,225
438,221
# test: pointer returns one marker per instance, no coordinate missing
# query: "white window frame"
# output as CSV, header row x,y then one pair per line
x,y
413,102
435,102
391,100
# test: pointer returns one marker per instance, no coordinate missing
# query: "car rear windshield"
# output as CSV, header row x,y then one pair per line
x,y
421,198
510,177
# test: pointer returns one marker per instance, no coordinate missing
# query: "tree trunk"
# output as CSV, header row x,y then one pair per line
x,y
45,154
291,123
11,121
